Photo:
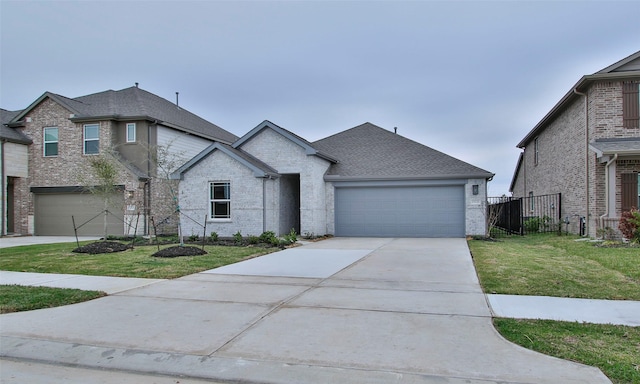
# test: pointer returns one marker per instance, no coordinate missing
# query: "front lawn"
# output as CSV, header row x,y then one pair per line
x,y
615,349
552,265
15,298
138,262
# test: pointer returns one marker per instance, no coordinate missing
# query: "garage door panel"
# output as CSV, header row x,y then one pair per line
x,y
54,211
419,211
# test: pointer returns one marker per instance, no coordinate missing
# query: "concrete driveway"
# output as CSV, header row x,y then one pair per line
x,y
338,311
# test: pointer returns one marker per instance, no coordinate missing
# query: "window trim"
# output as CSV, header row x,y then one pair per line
x,y
85,140
45,142
213,200
129,139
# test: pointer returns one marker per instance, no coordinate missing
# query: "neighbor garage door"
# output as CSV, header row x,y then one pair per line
x,y
53,213
414,211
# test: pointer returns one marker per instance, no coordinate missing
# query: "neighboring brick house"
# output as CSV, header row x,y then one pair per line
x,y
138,127
365,181
588,149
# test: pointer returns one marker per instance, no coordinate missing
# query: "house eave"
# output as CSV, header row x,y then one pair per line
x,y
580,86
338,178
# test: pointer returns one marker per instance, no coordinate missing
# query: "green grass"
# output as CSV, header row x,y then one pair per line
x,y
551,265
14,298
58,258
612,348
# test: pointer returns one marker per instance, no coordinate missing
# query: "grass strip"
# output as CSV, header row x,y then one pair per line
x,y
615,349
551,265
15,298
138,262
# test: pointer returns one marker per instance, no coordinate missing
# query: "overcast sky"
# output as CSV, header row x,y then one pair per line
x,y
468,78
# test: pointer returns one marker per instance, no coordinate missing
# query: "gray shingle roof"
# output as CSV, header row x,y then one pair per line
x,y
626,146
136,103
13,135
368,151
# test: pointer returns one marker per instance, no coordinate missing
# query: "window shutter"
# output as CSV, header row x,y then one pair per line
x,y
630,104
629,191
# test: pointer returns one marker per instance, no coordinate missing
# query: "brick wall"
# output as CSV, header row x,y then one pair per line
x,y
246,198
71,167
289,158
562,154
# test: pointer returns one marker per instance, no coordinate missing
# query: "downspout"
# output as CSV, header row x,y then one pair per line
x,y
264,204
606,190
4,191
586,154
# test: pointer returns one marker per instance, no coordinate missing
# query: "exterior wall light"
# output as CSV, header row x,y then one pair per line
x,y
476,189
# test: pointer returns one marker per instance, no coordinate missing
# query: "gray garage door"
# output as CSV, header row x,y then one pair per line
x,y
53,213
418,211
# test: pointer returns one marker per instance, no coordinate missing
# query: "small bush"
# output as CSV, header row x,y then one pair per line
x,y
291,237
267,237
237,237
630,225
253,239
194,237
214,236
532,224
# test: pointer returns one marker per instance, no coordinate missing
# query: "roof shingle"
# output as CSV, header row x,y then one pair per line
x,y
368,151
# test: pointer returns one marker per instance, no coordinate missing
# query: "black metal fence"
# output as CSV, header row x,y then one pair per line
x,y
522,215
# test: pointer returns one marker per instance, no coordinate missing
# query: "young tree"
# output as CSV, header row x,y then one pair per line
x,y
103,169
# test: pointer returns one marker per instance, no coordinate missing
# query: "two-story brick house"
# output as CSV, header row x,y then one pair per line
x,y
138,128
587,147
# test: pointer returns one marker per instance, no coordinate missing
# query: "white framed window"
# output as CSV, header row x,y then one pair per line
x,y
131,132
91,139
50,141
220,200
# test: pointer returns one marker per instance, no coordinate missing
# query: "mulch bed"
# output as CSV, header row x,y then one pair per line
x,y
178,251
102,247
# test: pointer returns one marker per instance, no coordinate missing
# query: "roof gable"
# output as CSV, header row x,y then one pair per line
x,y
309,149
11,134
259,168
625,69
134,103
369,151
629,63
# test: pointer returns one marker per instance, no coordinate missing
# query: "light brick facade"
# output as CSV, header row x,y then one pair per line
x,y
262,203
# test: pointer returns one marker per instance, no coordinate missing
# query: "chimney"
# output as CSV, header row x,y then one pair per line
x,y
136,84
395,130
177,104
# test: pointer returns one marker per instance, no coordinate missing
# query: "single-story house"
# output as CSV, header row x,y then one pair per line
x,y
365,181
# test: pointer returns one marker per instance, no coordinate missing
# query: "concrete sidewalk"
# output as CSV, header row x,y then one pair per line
x,y
401,310
8,242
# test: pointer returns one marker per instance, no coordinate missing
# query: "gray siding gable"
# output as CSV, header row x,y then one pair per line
x,y
371,152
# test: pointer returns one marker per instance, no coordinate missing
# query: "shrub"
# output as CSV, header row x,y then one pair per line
x,y
253,239
194,237
630,225
267,237
291,237
214,236
237,237
532,224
